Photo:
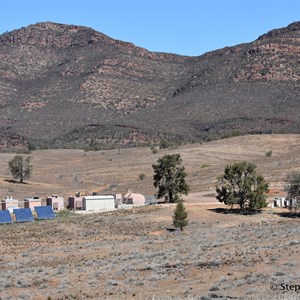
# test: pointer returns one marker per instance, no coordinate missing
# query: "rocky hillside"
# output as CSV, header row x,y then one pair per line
x,y
70,86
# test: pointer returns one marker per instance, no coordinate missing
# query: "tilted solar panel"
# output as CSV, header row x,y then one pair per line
x,y
44,212
23,215
5,217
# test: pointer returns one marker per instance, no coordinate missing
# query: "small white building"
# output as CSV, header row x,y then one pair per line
x,y
279,201
98,203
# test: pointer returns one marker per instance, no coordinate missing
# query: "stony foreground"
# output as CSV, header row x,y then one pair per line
x,y
130,254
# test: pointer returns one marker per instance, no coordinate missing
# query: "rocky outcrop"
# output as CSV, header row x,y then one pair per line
x,y
55,35
289,30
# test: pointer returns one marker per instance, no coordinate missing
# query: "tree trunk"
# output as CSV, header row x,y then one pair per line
x,y
171,197
242,206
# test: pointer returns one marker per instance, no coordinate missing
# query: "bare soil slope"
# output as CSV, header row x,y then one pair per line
x,y
68,171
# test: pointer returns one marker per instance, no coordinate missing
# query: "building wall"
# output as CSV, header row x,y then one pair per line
x,y
72,201
9,204
98,203
32,203
59,200
132,198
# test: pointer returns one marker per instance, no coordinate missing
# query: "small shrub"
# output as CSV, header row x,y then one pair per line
x,y
215,287
269,153
164,144
174,146
112,282
279,273
154,149
142,176
204,166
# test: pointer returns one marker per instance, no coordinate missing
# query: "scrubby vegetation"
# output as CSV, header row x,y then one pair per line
x,y
130,254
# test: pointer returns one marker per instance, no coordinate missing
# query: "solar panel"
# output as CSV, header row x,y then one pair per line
x,y
44,212
23,215
5,217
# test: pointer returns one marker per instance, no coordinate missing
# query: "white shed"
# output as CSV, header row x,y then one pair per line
x,y
98,203
279,201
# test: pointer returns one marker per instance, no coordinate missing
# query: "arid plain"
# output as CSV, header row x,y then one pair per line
x,y
129,254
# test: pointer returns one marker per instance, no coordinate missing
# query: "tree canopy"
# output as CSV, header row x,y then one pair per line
x,y
20,167
169,177
240,185
293,191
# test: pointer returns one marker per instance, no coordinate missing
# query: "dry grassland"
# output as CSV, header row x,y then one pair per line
x,y
67,171
130,254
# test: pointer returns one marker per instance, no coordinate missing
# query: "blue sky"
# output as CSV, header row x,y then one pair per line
x,y
187,27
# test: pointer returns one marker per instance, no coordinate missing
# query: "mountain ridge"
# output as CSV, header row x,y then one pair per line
x,y
71,86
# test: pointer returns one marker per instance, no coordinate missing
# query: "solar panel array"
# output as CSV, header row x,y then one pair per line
x,y
23,215
44,212
5,217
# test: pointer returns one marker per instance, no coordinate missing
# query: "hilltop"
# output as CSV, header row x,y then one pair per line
x,y
71,86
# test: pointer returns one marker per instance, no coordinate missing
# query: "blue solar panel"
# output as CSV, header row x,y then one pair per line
x,y
44,212
23,215
5,217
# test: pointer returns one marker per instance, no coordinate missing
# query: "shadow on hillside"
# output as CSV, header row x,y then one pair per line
x,y
233,211
14,181
287,214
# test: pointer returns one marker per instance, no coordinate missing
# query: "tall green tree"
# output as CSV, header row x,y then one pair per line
x,y
20,168
240,185
180,217
169,177
293,191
